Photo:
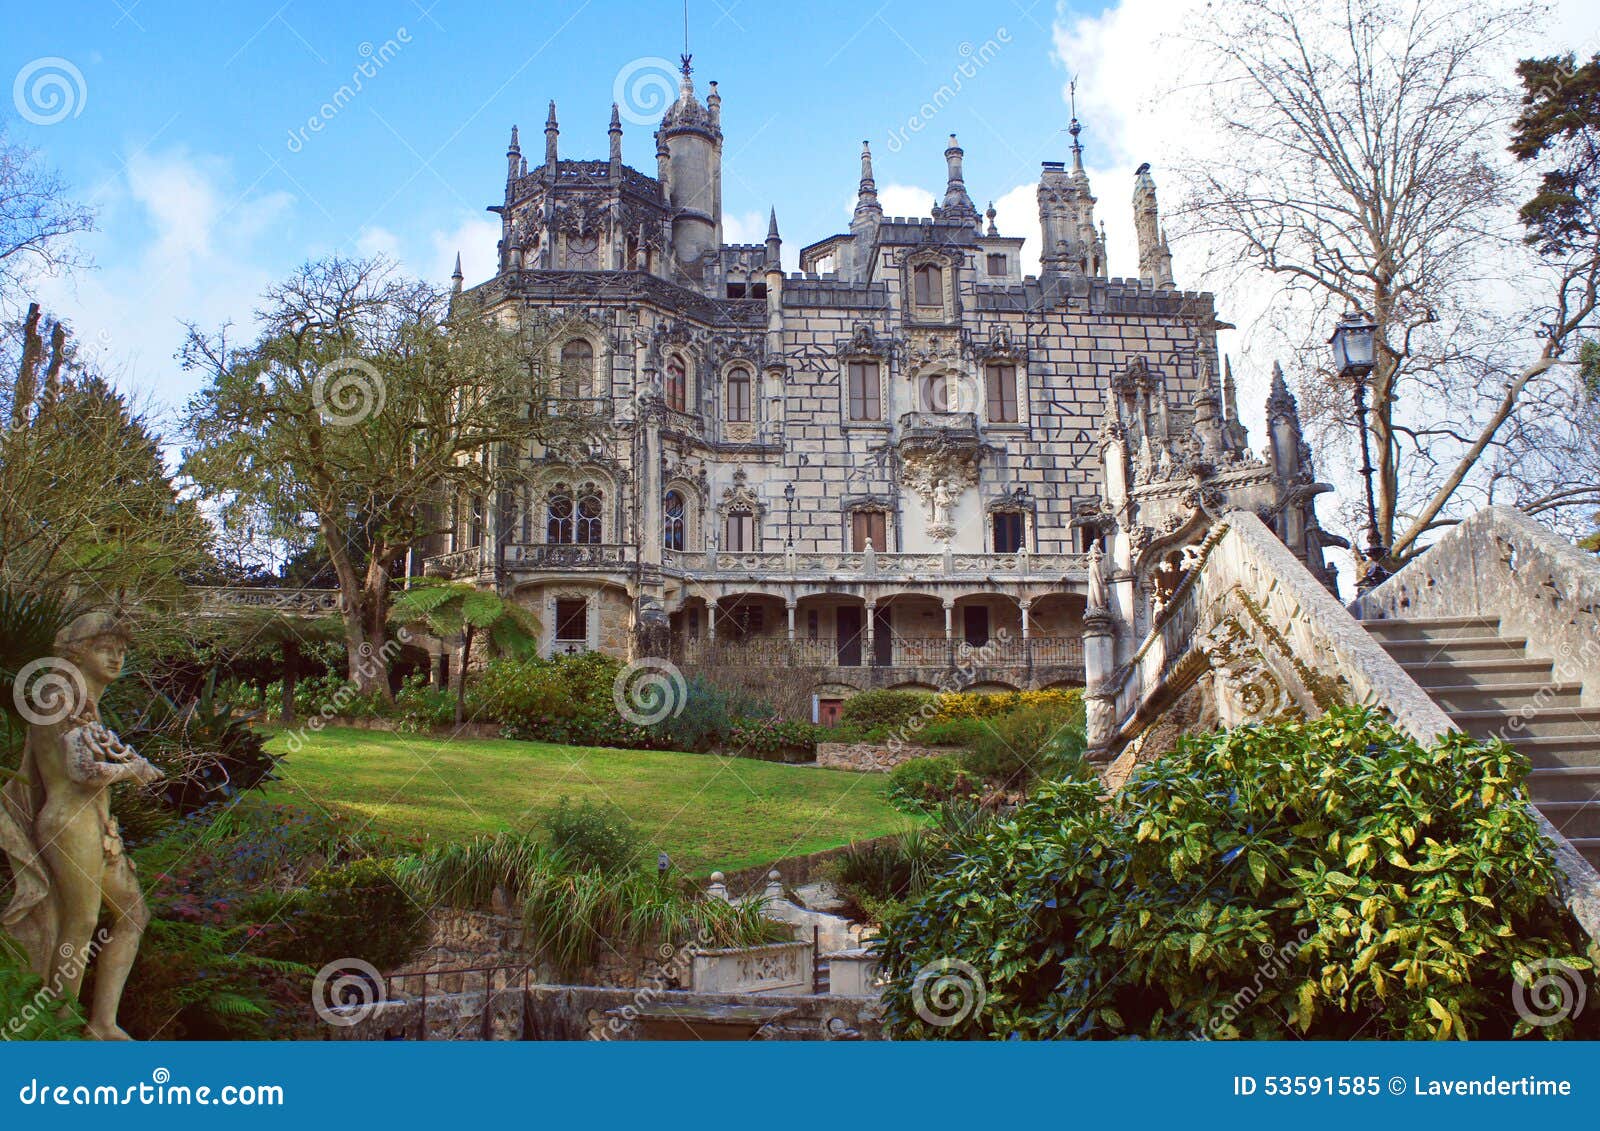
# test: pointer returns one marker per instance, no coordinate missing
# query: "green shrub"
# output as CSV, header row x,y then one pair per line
x,y
356,910
1013,749
774,740
949,732
28,1012
874,874
1334,877
419,706
593,835
883,711
923,784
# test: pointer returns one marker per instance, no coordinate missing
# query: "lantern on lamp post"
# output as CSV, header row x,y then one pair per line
x,y
1354,343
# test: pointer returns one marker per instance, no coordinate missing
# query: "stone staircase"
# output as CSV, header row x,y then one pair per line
x,y
1485,680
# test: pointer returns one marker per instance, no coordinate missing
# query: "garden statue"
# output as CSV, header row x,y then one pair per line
x,y
56,827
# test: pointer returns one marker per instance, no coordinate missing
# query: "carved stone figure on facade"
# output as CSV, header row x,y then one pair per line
x,y
66,852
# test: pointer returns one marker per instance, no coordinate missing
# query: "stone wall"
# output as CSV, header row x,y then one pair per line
x,y
875,757
586,1013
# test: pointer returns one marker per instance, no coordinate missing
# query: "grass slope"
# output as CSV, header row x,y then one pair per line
x,y
708,813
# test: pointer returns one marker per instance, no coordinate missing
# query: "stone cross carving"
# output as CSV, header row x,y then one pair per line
x,y
66,852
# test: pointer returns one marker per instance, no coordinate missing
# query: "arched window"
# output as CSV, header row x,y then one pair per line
x,y
675,512
577,369
934,393
677,385
738,398
583,252
927,285
591,505
558,515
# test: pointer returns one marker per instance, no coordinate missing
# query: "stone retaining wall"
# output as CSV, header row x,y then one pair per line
x,y
874,757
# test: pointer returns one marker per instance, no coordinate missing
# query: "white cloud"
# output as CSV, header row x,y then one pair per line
x,y
477,239
904,200
744,227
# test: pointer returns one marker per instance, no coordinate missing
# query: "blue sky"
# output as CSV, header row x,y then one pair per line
x,y
188,129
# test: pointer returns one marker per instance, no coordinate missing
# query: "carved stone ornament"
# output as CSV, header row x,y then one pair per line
x,y
925,471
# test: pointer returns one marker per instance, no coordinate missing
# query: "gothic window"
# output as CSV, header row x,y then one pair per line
x,y
741,533
997,264
558,515
577,369
675,521
1001,380
572,620
866,398
677,385
934,393
868,526
583,252
738,396
927,285
1008,531
631,253
590,508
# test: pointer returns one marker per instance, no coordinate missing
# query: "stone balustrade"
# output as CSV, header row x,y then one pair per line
x,y
216,600
789,564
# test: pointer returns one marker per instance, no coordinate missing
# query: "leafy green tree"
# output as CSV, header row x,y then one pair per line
x,y
450,609
370,411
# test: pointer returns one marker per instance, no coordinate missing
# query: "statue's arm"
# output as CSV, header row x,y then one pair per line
x,y
84,766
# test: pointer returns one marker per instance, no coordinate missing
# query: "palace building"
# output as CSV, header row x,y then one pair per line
x,y
874,471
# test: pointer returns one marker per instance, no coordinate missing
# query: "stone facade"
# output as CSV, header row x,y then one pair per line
x,y
881,471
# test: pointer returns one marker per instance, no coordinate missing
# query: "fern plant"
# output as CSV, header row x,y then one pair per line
x,y
457,608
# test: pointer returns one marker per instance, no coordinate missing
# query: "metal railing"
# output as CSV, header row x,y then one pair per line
x,y
903,652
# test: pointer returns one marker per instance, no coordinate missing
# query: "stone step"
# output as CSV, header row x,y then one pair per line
x,y
1433,628
1582,722
1564,783
1588,847
1506,696
1559,749
1433,673
1575,820
1457,650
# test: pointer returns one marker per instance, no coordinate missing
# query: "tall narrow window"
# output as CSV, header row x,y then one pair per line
x,y
740,535
558,515
927,285
577,369
934,393
738,390
590,508
675,521
572,620
1002,383
868,526
1008,526
866,398
677,385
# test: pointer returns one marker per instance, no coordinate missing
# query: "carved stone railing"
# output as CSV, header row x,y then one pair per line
x,y
593,555
457,563
1501,563
215,600
1252,618
769,564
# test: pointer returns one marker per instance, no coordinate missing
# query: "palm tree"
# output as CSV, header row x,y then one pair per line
x,y
459,608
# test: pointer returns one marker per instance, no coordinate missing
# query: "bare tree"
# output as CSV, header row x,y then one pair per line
x,y
37,220
1362,164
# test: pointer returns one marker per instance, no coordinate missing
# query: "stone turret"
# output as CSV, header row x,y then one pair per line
x,y
692,138
551,132
1155,257
614,134
1071,245
958,205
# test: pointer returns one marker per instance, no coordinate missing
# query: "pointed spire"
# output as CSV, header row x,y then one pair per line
x,y
456,278
713,103
991,214
1280,402
551,131
614,132
1075,129
774,243
513,156
1230,391
957,204
867,206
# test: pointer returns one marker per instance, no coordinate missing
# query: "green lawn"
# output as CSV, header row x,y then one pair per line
x,y
707,812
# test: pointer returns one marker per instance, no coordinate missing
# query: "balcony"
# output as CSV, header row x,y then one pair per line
x,y
1062,654
574,556
791,566
947,427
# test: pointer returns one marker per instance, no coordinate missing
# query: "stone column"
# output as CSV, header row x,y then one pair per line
x,y
871,658
1099,662
1027,641
949,633
788,607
